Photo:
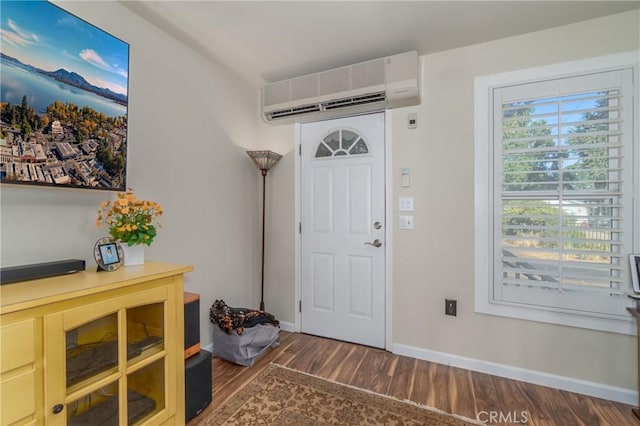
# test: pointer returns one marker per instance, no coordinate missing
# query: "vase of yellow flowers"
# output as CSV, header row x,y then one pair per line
x,y
132,222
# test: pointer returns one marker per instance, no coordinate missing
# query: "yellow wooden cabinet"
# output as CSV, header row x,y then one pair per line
x,y
94,348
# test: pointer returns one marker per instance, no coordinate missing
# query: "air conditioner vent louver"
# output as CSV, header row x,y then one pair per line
x,y
356,100
291,112
376,85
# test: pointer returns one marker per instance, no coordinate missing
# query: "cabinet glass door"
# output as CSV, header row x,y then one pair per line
x,y
101,407
145,366
145,391
92,349
108,361
145,330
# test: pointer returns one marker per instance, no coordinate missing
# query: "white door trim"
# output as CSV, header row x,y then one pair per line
x,y
297,293
389,226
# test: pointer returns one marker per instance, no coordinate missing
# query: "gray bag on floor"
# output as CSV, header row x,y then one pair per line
x,y
245,348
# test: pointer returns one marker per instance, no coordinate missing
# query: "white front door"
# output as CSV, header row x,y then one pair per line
x,y
343,228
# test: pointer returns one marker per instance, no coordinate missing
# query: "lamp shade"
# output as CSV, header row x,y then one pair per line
x,y
264,159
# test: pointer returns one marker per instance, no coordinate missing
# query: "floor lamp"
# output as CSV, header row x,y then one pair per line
x,y
265,160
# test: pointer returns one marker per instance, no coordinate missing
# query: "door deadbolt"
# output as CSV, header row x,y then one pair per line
x,y
377,225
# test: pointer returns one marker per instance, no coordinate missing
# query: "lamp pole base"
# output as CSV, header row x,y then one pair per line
x,y
262,305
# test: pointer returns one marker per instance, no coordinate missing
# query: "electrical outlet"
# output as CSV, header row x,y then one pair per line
x,y
451,307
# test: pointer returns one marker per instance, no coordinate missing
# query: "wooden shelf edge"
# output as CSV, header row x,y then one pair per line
x,y
29,294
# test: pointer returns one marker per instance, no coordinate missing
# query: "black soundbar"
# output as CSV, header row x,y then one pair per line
x,y
12,274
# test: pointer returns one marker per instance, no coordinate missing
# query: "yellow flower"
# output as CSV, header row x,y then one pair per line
x,y
130,220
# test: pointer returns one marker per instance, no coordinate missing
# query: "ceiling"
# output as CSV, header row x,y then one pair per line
x,y
266,41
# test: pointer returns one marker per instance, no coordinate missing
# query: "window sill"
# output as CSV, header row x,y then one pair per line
x,y
622,324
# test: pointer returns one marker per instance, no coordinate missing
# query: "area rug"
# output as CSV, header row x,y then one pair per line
x,y
284,397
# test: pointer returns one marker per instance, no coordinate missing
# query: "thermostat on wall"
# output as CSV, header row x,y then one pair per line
x,y
405,179
412,121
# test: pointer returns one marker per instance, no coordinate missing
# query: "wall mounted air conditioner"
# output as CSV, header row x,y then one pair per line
x,y
355,89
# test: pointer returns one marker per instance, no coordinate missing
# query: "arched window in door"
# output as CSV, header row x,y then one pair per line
x,y
342,142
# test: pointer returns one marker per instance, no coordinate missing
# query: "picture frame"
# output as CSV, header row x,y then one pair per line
x,y
64,100
108,254
634,264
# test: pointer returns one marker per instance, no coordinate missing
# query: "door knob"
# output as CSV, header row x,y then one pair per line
x,y
57,408
375,243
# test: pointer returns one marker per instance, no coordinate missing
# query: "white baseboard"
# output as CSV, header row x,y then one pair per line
x,y
598,390
287,326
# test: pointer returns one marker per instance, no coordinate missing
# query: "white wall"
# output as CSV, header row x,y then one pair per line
x,y
280,222
429,261
190,123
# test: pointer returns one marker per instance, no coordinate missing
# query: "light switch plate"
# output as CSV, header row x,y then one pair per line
x,y
406,222
406,204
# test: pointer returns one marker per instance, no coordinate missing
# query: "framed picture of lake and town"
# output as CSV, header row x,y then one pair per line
x,y
64,99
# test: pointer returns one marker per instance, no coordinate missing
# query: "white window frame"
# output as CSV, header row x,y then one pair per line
x,y
485,302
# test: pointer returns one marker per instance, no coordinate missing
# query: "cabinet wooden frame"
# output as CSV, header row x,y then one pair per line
x,y
51,306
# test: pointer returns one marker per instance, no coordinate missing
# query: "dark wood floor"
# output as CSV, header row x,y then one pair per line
x,y
451,389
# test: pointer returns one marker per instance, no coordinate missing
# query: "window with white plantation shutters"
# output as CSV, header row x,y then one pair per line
x,y
561,181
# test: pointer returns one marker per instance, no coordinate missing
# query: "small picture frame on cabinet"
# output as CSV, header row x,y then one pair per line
x,y
634,263
108,254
